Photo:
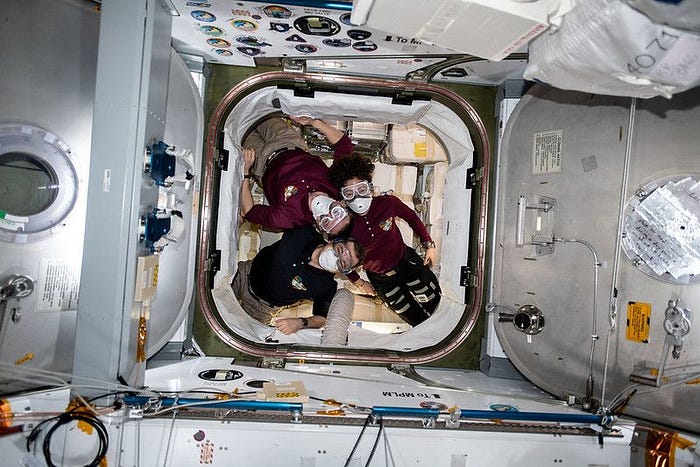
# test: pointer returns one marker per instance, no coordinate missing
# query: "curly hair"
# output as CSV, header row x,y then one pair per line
x,y
354,166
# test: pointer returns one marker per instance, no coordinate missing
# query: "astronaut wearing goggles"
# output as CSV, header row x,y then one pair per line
x,y
295,182
398,275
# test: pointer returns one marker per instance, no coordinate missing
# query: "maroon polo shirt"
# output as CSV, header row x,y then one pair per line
x,y
288,180
378,233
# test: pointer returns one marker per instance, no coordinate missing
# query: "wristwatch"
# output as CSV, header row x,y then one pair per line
x,y
428,245
304,323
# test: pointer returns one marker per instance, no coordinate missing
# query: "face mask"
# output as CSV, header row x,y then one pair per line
x,y
360,205
328,260
321,205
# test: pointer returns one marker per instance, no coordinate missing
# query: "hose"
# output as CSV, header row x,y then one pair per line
x,y
335,331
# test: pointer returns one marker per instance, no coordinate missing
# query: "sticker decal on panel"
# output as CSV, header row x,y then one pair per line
x,y
638,317
547,151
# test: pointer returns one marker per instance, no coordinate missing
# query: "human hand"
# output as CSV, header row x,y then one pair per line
x,y
302,120
365,287
248,159
288,325
429,259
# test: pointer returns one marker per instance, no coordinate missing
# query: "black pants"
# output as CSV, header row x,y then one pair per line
x,y
410,289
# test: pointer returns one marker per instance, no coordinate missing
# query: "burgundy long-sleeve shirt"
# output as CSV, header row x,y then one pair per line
x,y
287,182
378,233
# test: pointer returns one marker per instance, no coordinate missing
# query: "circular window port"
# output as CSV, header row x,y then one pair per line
x,y
38,182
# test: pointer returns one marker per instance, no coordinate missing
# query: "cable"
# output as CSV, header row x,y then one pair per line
x,y
91,420
367,420
594,328
376,441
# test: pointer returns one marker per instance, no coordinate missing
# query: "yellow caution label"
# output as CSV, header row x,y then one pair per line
x,y
638,316
420,149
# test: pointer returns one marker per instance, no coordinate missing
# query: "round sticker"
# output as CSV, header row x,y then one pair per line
x,y
249,51
365,46
277,12
217,42
358,34
211,30
279,27
244,25
223,53
306,48
317,26
205,16
337,42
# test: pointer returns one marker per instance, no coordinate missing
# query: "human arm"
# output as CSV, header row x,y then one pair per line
x,y
247,202
331,133
291,325
410,216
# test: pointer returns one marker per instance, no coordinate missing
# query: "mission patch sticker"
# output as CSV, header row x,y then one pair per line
x,y
638,316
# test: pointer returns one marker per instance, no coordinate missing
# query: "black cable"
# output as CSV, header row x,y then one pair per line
x,y
91,420
376,441
102,432
347,462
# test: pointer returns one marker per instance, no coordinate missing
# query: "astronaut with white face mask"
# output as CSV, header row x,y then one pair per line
x,y
396,272
295,182
299,266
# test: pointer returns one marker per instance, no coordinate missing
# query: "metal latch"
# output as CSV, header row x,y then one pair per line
x,y
213,262
466,277
474,174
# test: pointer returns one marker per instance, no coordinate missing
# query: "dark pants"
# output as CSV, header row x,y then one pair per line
x,y
410,289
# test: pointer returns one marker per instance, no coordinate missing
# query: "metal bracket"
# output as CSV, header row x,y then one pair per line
x,y
222,159
466,277
404,97
294,65
272,362
213,263
474,174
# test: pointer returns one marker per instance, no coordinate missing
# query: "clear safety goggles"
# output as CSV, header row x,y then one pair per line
x,y
361,189
334,217
342,252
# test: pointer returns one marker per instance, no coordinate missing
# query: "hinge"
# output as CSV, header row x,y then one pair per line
x,y
222,160
474,174
214,261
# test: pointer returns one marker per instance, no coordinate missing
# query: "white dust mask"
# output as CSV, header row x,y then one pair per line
x,y
328,260
360,205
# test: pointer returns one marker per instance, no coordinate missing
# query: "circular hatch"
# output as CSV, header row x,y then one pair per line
x,y
38,182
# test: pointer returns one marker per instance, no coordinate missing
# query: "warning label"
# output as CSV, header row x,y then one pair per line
x,y
546,151
638,316
58,285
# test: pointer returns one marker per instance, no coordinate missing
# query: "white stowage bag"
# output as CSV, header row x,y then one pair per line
x,y
607,47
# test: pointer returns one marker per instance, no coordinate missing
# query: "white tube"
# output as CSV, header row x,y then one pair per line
x,y
335,332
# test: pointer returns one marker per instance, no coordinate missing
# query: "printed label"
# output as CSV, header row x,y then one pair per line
x,y
638,315
546,151
58,285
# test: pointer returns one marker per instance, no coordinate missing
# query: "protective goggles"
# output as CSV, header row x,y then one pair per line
x,y
342,252
335,216
361,189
